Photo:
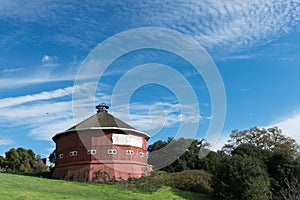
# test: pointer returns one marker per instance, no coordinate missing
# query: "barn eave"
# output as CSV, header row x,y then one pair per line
x,y
136,132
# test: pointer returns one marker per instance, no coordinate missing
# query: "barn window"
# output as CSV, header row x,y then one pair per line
x,y
60,156
73,153
112,151
129,152
92,151
141,154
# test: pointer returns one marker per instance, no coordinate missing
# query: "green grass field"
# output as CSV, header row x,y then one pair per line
x,y
15,186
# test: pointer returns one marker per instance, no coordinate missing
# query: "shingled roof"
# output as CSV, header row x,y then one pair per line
x,y
102,120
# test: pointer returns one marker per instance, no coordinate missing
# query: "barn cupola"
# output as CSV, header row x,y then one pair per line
x,y
102,107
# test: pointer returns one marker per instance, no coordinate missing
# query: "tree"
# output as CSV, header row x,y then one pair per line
x,y
52,157
258,153
211,161
282,167
241,177
20,160
189,158
26,160
39,165
269,139
2,162
158,145
12,159
283,171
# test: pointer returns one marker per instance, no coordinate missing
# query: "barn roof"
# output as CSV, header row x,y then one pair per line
x,y
103,121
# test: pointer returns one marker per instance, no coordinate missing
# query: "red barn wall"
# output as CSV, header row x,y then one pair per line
x,y
90,167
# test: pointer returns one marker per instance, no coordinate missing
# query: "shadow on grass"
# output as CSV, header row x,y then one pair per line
x,y
47,175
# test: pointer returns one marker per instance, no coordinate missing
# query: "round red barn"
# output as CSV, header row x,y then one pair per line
x,y
99,148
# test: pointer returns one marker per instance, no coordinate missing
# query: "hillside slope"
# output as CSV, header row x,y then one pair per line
x,y
26,187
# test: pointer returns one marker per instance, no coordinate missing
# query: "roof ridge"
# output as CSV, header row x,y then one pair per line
x,y
101,119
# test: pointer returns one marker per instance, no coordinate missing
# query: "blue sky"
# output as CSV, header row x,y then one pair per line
x,y
254,44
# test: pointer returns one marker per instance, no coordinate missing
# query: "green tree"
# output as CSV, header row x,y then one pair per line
x,y
283,170
269,139
258,153
211,161
20,160
241,177
12,159
26,160
158,145
190,157
52,157
2,162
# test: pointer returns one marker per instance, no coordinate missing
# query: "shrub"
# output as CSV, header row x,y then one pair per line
x,y
241,177
189,180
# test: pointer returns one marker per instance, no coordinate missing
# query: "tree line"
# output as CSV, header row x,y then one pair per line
x,y
22,160
257,163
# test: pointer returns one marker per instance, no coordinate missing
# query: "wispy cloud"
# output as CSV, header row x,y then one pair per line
x,y
12,101
4,142
44,114
49,61
155,115
10,70
42,73
232,24
44,117
14,82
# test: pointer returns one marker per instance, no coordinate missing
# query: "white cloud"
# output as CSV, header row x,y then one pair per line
x,y
49,61
233,24
14,82
156,115
4,142
39,113
45,58
50,112
290,126
46,118
11,70
43,75
12,101
222,140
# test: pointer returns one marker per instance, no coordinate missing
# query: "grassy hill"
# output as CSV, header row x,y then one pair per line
x,y
26,187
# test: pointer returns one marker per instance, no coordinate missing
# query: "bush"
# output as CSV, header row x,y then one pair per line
x,y
190,180
241,177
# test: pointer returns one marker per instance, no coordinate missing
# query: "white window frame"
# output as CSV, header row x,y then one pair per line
x,y
92,151
112,151
60,156
141,154
129,152
73,153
